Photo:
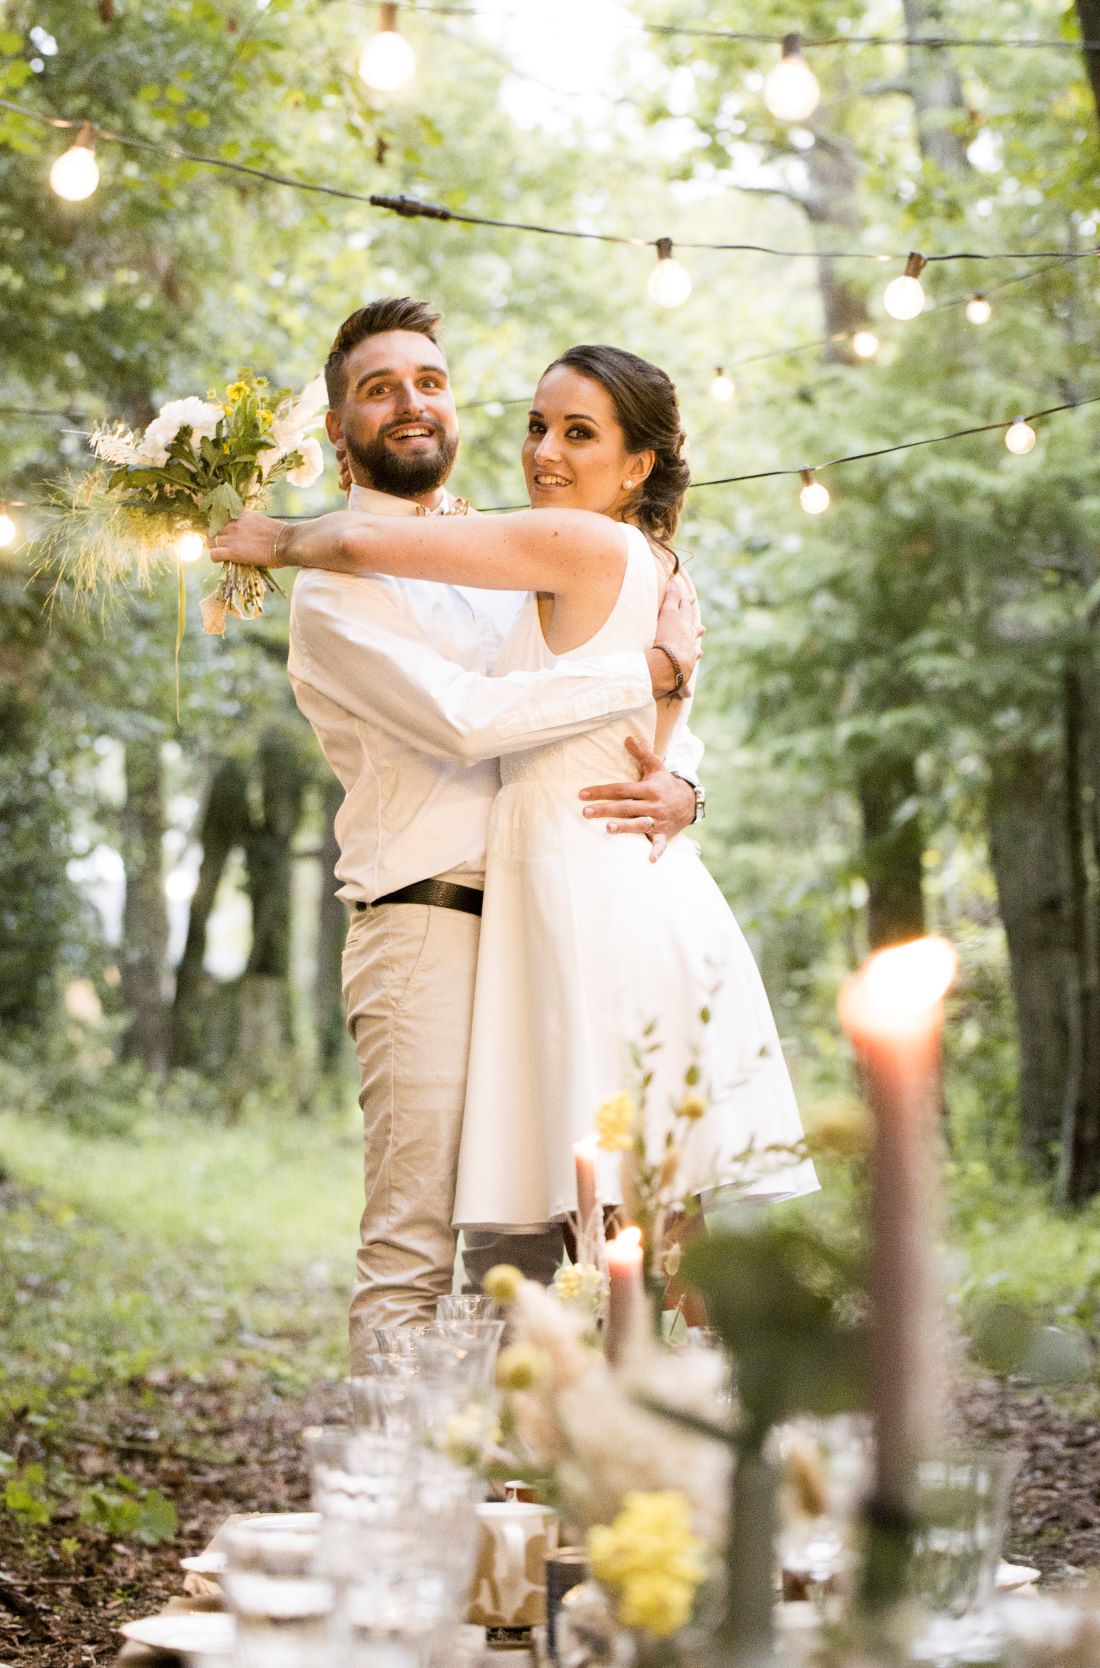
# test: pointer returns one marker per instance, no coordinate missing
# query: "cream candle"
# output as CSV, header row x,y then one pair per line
x,y
626,1312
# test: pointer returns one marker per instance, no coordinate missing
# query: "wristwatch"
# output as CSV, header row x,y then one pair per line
x,y
700,796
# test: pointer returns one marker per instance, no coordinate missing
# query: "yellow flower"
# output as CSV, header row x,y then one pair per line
x,y
522,1366
236,391
567,1282
651,1559
615,1121
692,1107
502,1283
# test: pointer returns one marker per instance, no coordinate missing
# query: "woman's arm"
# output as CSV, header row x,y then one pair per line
x,y
557,551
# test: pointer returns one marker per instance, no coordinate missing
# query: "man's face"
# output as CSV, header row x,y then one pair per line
x,y
398,415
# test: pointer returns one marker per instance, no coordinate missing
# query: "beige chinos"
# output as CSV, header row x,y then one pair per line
x,y
408,978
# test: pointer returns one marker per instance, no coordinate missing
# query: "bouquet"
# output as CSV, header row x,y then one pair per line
x,y
155,495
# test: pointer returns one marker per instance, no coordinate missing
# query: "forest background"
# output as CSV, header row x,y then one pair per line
x,y
900,697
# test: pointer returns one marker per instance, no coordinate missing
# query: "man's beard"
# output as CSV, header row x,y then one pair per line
x,y
404,477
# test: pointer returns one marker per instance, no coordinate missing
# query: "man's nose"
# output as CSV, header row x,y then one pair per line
x,y
408,398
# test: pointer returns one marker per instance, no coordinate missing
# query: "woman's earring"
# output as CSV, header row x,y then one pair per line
x,y
627,485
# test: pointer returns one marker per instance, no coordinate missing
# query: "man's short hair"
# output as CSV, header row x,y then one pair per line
x,y
388,313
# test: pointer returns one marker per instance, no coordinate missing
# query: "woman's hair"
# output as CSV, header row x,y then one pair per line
x,y
649,415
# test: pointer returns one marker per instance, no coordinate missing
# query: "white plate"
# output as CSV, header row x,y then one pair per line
x,y
184,1630
1011,1576
205,1563
305,1522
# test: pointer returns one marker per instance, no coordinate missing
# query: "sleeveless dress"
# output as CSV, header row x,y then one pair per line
x,y
588,948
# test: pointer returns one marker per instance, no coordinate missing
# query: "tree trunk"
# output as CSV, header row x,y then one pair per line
x,y
937,91
1088,15
892,851
831,205
265,1031
332,925
224,824
1079,1165
1026,810
145,914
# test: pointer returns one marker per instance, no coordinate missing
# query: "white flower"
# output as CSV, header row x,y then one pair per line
x,y
311,466
197,415
117,445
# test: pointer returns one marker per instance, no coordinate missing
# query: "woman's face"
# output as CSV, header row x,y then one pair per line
x,y
574,456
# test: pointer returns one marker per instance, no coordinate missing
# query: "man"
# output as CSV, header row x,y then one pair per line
x,y
393,676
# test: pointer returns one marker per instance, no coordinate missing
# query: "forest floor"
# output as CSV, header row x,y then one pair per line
x,y
172,1312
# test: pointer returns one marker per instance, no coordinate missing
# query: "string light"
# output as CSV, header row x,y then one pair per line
x,y
721,388
978,310
75,173
387,63
814,496
669,283
865,344
190,546
791,90
9,530
904,297
1020,437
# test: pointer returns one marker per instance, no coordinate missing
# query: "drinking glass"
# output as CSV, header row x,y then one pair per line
x,y
963,1504
393,1404
466,1306
280,1599
398,1340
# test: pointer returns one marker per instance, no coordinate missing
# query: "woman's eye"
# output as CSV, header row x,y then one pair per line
x,y
580,434
534,428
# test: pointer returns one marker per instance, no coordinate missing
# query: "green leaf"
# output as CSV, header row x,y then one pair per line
x,y
158,1521
222,505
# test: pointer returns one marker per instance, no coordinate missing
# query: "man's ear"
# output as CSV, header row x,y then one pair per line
x,y
333,427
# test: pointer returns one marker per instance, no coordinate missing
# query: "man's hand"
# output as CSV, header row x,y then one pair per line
x,y
679,629
250,540
658,805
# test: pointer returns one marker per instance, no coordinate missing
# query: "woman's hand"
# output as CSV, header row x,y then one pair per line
x,y
251,541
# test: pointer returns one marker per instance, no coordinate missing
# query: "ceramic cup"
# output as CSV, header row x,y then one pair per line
x,y
509,1587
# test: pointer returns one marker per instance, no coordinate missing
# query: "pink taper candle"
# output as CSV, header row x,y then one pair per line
x,y
584,1160
626,1293
892,1010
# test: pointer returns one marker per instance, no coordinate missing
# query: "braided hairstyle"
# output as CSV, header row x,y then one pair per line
x,y
649,415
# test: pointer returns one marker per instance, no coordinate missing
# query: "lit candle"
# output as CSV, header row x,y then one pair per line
x,y
892,1010
584,1160
626,1309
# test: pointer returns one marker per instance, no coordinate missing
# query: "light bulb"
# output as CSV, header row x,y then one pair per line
x,y
722,389
865,344
978,310
190,546
814,496
1020,437
904,297
387,63
669,283
791,91
9,532
75,173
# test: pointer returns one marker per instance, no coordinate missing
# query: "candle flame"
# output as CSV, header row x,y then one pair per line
x,y
625,1250
897,991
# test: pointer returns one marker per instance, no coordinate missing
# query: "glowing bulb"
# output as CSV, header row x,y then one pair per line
x,y
865,344
9,532
75,173
904,297
722,389
791,91
190,546
387,63
814,496
978,310
669,283
1020,437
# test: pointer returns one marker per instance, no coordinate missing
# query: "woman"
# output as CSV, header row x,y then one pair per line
x,y
598,970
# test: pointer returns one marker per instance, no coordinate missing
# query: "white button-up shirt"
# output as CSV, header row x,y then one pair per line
x,y
394,676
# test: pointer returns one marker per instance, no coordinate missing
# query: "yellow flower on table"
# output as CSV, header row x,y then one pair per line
x,y
651,1560
615,1121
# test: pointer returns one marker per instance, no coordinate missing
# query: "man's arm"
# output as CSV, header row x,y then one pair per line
x,y
372,661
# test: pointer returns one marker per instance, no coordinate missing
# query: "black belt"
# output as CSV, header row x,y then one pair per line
x,y
441,894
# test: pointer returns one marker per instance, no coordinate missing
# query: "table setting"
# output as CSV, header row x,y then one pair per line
x,y
572,1477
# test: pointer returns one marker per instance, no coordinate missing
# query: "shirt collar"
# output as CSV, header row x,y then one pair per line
x,y
445,503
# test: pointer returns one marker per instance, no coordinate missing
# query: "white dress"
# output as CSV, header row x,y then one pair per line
x,y
585,943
